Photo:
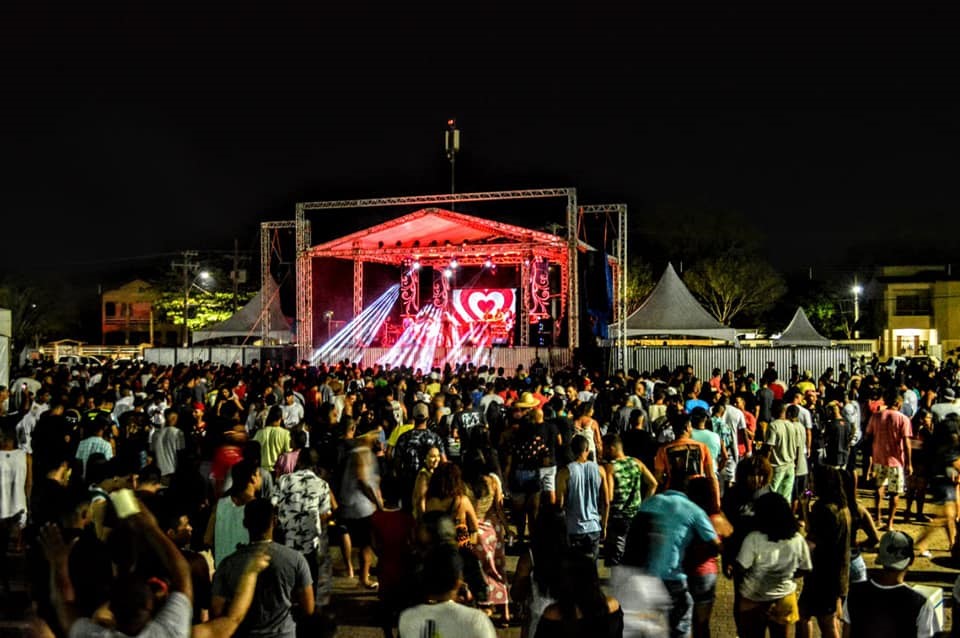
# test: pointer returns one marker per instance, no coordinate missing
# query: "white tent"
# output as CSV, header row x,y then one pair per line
x,y
671,309
800,332
246,321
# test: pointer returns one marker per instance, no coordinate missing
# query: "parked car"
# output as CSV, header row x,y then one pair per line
x,y
72,360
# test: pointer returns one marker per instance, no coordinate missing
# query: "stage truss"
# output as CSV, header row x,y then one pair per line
x,y
304,273
620,272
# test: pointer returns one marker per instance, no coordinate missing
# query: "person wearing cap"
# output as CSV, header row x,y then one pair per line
x,y
885,605
891,456
948,404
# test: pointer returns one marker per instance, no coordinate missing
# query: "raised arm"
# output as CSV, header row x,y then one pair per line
x,y
62,594
226,625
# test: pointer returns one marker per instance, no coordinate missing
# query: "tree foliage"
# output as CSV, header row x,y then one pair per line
x,y
205,308
640,283
40,309
734,283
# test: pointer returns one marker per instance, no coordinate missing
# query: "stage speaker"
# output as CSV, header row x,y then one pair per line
x,y
543,332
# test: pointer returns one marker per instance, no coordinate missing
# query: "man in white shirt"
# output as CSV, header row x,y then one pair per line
x,y
948,404
29,421
440,614
292,411
167,442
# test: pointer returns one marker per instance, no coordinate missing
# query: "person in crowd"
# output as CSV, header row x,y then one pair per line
x,y
287,581
225,530
536,565
829,537
580,494
769,561
484,490
678,522
700,564
581,607
274,440
419,496
167,442
627,482
361,497
922,453
885,606
700,433
891,455
682,458
440,614
304,506
411,448
392,531
784,447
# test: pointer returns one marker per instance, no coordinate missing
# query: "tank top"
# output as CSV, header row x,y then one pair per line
x,y
627,481
229,530
583,490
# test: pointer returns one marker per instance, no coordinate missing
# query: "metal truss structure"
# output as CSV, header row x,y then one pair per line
x,y
267,229
620,272
570,283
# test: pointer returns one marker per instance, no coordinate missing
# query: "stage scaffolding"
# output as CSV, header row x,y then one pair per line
x,y
304,322
304,258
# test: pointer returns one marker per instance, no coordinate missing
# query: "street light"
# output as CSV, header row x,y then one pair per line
x,y
328,315
203,276
857,289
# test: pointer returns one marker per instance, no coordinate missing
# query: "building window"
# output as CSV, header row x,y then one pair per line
x,y
914,304
110,309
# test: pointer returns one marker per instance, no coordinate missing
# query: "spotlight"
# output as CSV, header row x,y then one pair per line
x,y
488,263
416,264
448,273
453,263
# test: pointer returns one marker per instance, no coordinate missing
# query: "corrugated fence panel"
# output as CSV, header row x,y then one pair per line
x,y
704,359
507,358
818,360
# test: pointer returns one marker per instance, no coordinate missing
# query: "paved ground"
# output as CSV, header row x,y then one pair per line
x,y
355,606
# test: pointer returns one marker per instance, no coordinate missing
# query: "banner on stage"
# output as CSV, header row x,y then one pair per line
x,y
493,309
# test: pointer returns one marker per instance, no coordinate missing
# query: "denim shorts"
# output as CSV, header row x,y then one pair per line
x,y
702,588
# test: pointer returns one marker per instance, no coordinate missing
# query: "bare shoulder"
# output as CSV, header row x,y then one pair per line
x,y
612,604
552,612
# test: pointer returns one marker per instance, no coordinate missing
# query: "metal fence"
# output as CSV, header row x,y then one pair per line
x,y
705,359
506,358
223,355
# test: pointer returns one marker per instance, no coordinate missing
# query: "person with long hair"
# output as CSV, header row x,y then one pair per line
x,y
829,539
486,496
419,496
582,609
770,558
535,567
445,493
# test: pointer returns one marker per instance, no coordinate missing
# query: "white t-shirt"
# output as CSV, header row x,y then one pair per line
x,y
644,600
13,483
770,566
173,621
445,620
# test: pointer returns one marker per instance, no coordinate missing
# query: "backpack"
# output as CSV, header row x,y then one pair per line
x,y
407,460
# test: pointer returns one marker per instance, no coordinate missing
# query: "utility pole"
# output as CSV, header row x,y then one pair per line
x,y
857,289
235,273
187,266
451,143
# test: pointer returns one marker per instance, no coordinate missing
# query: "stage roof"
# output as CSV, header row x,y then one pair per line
x,y
443,233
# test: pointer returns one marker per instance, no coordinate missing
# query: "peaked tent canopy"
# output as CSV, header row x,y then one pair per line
x,y
671,309
801,333
246,321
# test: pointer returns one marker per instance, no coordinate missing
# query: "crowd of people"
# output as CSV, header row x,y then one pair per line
x,y
220,500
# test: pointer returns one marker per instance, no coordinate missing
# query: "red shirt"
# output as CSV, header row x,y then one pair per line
x,y
392,531
751,422
891,431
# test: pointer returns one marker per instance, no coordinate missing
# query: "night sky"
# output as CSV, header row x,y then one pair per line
x,y
130,131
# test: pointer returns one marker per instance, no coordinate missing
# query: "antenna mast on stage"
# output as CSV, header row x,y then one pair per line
x,y
451,143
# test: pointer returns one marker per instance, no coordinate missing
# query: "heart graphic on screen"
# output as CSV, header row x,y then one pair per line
x,y
481,304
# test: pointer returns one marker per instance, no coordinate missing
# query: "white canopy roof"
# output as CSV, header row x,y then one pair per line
x,y
671,309
800,332
246,321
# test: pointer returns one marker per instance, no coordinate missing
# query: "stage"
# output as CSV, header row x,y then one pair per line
x,y
434,286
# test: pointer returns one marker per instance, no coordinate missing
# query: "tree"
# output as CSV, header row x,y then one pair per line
x,y
40,309
734,283
205,308
639,283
